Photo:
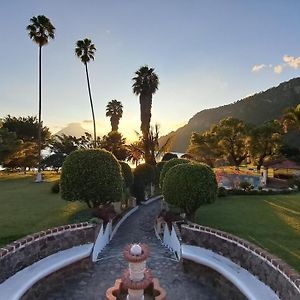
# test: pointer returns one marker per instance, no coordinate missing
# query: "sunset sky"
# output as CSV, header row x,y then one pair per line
x,y
206,53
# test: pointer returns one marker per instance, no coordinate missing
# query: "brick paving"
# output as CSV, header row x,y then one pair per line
x,y
93,283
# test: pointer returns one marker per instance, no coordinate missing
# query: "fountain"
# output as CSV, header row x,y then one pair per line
x,y
137,282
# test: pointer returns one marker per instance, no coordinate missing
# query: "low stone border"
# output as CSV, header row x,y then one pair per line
x,y
22,253
129,213
256,260
150,200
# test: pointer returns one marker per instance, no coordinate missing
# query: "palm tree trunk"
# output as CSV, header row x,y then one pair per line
x,y
91,101
40,110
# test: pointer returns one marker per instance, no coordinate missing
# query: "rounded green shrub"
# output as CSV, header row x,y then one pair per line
x,y
158,168
91,176
170,164
168,156
55,187
188,186
145,172
126,173
138,189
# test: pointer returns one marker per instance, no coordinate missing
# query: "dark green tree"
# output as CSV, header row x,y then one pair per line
x,y
265,142
9,144
115,143
85,51
232,135
61,146
40,30
145,84
291,118
204,147
114,110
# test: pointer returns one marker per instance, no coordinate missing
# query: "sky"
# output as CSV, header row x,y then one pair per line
x,y
206,53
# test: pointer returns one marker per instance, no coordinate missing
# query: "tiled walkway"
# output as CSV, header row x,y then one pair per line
x,y
93,283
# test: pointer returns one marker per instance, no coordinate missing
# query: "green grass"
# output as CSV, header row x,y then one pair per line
x,y
271,222
27,207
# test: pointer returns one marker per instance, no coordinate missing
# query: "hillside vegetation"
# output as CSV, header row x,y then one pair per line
x,y
255,109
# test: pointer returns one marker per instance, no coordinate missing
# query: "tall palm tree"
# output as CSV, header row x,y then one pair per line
x,y
85,51
145,84
291,118
40,30
114,110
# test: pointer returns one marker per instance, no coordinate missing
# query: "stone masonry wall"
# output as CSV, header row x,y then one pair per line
x,y
268,268
24,252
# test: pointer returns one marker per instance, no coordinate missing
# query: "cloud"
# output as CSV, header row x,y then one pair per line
x,y
257,68
292,61
87,121
278,69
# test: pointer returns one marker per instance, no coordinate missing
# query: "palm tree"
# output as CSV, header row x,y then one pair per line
x,y
135,152
291,118
145,85
114,110
40,30
85,51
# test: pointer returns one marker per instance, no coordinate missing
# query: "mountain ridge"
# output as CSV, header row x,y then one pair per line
x,y
256,109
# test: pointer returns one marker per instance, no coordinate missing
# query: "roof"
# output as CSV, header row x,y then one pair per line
x,y
282,164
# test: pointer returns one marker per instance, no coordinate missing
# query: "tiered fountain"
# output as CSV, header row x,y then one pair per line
x,y
137,282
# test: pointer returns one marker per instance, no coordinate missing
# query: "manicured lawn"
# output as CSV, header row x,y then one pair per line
x,y
271,222
27,207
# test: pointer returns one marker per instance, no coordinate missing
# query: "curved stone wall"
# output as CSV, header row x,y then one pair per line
x,y
268,268
24,252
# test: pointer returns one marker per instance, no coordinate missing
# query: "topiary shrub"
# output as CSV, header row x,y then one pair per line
x,y
188,186
126,173
246,186
169,164
145,172
138,189
91,176
222,192
168,156
55,187
158,168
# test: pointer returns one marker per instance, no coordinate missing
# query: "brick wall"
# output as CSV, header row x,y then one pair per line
x,y
24,252
268,268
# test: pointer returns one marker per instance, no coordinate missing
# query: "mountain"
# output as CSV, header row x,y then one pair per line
x,y
74,129
254,109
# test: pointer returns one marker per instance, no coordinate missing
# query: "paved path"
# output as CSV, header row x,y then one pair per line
x,y
93,283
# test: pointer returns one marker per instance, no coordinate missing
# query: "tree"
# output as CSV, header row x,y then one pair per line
x,y
27,131
265,142
25,157
169,155
85,51
204,148
115,143
114,110
86,141
145,85
232,135
9,144
61,146
291,118
40,30
135,152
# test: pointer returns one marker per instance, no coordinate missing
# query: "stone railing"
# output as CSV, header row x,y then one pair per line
x,y
267,267
24,252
